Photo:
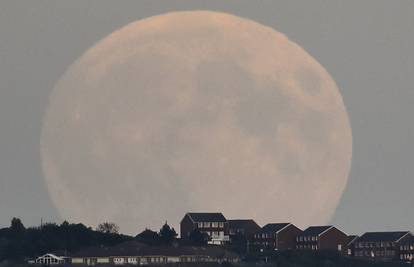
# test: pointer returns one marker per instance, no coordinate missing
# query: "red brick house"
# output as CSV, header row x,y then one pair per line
x,y
276,236
245,228
383,246
322,238
213,224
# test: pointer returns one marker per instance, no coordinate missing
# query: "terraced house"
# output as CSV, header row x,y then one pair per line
x,y
383,246
276,236
322,238
213,224
407,249
246,228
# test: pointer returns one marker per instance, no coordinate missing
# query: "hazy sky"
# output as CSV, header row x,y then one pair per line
x,y
365,45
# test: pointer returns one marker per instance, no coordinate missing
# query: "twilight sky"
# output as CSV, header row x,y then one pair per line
x,y
366,47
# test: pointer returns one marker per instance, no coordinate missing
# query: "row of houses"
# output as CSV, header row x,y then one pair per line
x,y
137,253
386,246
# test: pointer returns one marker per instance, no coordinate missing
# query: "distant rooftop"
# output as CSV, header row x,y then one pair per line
x,y
273,227
207,216
240,223
316,230
382,236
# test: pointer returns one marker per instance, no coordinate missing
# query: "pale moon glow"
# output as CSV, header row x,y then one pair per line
x,y
196,111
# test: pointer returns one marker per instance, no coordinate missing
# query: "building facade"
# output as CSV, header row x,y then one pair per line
x,y
322,238
407,249
136,253
244,228
276,236
350,246
383,246
214,225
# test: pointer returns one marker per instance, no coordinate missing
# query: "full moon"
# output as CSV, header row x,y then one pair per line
x,y
195,111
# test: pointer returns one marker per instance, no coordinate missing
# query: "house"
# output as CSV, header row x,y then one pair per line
x,y
322,238
407,249
350,246
51,259
135,253
380,245
213,224
245,228
276,236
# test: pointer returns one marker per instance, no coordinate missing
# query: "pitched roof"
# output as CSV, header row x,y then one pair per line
x,y
408,241
207,216
273,227
52,256
316,230
242,223
351,239
382,236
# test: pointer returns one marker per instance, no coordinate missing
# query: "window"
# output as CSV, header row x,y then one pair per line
x,y
200,225
313,238
339,247
206,225
221,224
214,224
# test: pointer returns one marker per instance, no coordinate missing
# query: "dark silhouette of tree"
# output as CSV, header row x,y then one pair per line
x,y
17,225
167,234
198,238
108,228
17,242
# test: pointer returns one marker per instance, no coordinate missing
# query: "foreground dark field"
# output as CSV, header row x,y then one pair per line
x,y
284,259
